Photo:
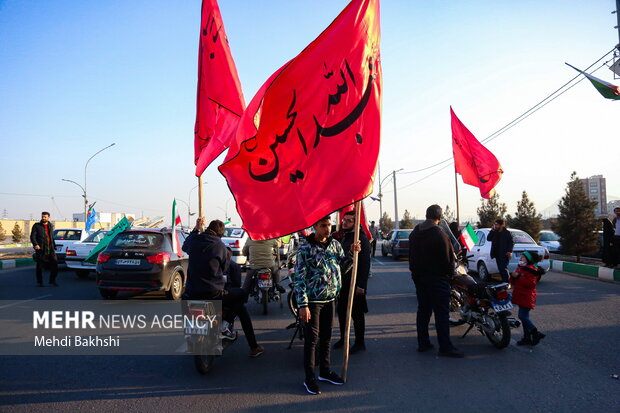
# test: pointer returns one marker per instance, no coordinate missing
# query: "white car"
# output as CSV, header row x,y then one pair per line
x,y
479,258
549,240
66,237
78,252
235,238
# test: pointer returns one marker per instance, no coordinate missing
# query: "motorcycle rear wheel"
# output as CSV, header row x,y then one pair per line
x,y
203,363
265,301
500,339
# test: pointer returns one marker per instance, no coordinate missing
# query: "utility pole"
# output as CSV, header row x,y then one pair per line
x,y
381,195
618,25
396,223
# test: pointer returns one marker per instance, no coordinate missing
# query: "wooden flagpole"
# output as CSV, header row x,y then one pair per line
x,y
456,185
347,328
200,205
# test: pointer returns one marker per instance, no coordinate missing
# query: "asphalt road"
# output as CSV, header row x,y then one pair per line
x,y
570,371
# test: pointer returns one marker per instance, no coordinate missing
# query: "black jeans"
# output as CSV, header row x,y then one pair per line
x,y
318,331
357,315
50,262
433,296
502,267
233,301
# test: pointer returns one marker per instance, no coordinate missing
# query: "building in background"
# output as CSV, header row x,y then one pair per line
x,y
596,190
110,218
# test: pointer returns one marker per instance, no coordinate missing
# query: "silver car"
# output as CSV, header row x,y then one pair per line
x,y
77,253
479,258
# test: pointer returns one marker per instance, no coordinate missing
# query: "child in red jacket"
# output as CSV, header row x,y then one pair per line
x,y
524,281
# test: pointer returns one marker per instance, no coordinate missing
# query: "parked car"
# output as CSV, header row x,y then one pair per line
x,y
396,243
549,240
142,260
66,237
480,255
77,253
235,238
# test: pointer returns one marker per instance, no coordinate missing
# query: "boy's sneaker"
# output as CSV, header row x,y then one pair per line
x,y
312,386
256,351
332,378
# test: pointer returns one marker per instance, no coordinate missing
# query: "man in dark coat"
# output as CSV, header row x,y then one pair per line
x,y
42,238
208,259
360,307
431,261
616,239
501,247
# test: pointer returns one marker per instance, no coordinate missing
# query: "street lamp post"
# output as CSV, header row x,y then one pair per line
x,y
86,166
189,214
83,194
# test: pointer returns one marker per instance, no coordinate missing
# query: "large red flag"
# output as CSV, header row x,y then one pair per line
x,y
476,164
219,99
308,143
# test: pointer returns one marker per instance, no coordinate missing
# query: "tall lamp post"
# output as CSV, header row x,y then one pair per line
x,y
86,166
380,196
189,214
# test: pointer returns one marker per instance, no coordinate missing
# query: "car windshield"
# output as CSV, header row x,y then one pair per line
x,y
137,240
520,237
234,232
403,234
549,236
96,237
67,234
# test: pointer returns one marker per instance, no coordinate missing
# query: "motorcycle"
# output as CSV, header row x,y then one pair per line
x,y
482,305
203,338
264,290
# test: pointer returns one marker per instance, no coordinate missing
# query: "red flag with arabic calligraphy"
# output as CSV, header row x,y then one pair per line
x,y
476,164
308,143
219,99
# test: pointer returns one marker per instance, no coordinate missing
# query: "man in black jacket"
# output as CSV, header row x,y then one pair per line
x,y
208,259
42,238
360,307
431,261
501,247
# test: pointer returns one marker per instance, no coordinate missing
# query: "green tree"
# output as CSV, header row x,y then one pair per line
x,y
17,233
490,210
385,224
526,219
407,221
2,233
448,214
577,223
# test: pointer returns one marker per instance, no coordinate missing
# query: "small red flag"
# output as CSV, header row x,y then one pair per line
x,y
219,99
308,143
476,164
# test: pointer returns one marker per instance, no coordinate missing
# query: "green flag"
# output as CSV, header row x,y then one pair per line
x,y
122,225
606,89
285,239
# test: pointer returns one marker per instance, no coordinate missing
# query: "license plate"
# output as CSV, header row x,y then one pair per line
x,y
127,262
59,248
502,306
264,283
516,255
195,331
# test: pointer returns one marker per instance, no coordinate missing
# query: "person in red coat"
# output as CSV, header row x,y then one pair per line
x,y
524,281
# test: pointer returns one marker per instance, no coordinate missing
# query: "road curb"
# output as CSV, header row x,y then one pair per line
x,y
592,271
15,263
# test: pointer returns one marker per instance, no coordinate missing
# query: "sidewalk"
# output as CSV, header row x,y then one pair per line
x,y
594,271
16,262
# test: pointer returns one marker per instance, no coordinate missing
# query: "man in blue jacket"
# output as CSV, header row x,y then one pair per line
x,y
208,259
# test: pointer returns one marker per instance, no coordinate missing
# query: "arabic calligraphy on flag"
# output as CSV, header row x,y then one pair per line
x,y
308,143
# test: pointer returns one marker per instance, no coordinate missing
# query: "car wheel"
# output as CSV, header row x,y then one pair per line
x,y
107,294
483,272
83,274
176,287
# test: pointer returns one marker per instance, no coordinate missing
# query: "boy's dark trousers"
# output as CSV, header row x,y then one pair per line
x,y
49,262
318,331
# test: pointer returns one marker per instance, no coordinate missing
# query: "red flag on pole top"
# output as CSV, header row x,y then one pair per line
x,y
219,99
308,143
476,164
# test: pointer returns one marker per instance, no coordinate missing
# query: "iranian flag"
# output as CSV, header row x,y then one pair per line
x,y
606,89
468,237
176,220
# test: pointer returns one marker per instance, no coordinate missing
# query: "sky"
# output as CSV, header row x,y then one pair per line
x,y
78,76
